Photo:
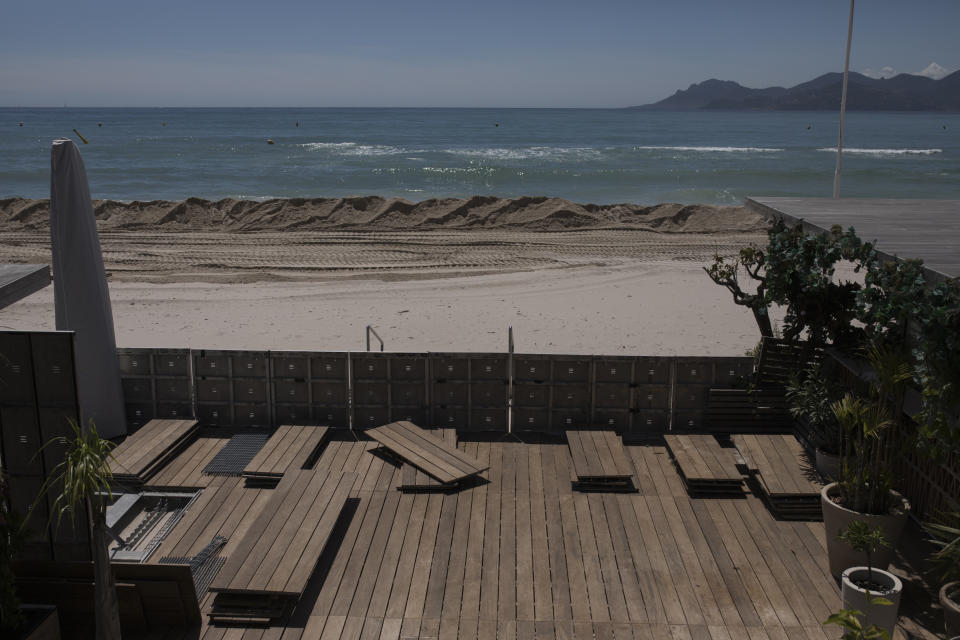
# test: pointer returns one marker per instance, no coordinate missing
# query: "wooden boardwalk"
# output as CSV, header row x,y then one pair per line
x,y
908,228
525,556
289,448
187,469
785,478
599,462
428,453
704,465
413,479
142,454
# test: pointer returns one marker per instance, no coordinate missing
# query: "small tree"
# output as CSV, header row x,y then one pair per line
x,y
865,540
82,482
727,274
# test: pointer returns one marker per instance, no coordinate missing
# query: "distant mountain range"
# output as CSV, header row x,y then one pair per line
x,y
904,92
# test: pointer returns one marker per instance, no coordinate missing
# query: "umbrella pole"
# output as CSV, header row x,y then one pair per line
x,y
843,107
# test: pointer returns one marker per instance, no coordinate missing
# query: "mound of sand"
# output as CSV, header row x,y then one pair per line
x,y
382,214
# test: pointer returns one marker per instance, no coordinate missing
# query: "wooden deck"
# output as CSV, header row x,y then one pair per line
x,y
413,479
599,462
17,281
289,448
142,454
426,452
785,477
186,470
526,557
704,465
270,566
899,227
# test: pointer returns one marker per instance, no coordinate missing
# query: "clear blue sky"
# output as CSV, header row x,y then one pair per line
x,y
553,53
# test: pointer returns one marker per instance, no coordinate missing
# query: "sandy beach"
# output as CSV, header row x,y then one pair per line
x,y
617,280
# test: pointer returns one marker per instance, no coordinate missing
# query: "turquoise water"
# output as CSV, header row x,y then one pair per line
x,y
585,155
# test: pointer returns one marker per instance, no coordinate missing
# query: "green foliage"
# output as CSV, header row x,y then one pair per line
x,y
84,476
810,396
849,620
895,305
800,270
12,537
865,485
727,274
946,536
863,539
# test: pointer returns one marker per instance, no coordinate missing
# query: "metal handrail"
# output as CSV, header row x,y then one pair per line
x,y
370,330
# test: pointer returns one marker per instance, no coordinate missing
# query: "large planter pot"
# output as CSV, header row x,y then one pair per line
x,y
856,597
827,464
837,518
950,601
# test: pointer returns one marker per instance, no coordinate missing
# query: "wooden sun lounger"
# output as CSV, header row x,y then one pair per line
x,y
413,479
146,451
269,569
599,461
705,466
290,447
428,453
788,484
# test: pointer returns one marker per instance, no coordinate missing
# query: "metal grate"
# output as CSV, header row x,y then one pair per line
x,y
236,455
204,566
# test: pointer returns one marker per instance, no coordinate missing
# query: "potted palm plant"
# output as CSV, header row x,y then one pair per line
x,y
810,396
81,483
872,432
946,536
873,591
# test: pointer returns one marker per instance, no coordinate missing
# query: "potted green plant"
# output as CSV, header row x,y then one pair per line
x,y
946,536
849,620
872,432
82,484
873,591
810,396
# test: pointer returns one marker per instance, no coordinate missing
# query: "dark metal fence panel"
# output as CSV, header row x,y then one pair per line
x,y
38,400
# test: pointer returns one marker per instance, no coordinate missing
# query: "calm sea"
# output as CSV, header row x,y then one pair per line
x,y
585,155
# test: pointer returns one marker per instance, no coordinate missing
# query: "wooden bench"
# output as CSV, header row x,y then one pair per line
x,y
428,453
413,479
786,480
704,465
142,454
268,570
599,461
290,447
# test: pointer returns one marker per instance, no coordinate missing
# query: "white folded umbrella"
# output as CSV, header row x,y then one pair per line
x,y
81,297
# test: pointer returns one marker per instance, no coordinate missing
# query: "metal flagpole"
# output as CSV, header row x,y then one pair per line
x,y
843,107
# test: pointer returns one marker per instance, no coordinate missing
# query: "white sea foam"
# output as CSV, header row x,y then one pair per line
x,y
353,149
885,152
712,149
527,153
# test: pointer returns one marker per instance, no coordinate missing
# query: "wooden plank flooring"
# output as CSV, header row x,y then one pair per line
x,y
704,465
526,557
416,480
145,452
289,448
426,452
187,469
